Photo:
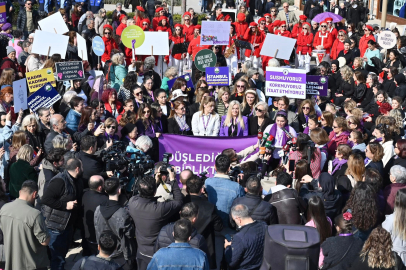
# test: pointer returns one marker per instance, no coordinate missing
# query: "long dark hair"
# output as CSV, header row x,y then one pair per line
x,y
302,168
86,115
303,146
144,120
316,212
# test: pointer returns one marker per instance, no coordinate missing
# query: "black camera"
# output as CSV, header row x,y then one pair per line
x,y
165,164
234,172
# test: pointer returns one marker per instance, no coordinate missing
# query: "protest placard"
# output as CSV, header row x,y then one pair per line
x,y
36,79
316,85
217,76
156,43
53,24
47,44
287,82
20,95
387,39
3,16
278,46
66,71
45,97
82,48
215,33
133,36
204,59
189,83
98,46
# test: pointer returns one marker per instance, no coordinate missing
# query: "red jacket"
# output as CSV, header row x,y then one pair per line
x,y
240,29
297,29
155,22
335,141
254,38
195,47
138,21
323,39
363,43
284,34
120,29
338,46
334,32
304,43
188,31
177,40
109,45
119,107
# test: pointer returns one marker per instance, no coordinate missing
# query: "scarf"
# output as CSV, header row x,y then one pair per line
x,y
366,161
273,133
379,103
337,164
183,126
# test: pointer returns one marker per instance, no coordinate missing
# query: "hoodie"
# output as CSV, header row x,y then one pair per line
x,y
108,208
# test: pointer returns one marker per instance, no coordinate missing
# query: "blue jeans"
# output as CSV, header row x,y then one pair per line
x,y
59,246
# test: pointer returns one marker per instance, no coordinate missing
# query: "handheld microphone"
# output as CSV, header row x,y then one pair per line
x,y
260,134
294,141
270,138
264,138
287,133
286,147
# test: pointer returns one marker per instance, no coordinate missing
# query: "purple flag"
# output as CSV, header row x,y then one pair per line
x,y
217,76
199,153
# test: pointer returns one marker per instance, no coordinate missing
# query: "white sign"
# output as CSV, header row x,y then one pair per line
x,y
215,33
45,41
287,82
231,12
82,49
53,24
156,43
278,46
20,95
387,39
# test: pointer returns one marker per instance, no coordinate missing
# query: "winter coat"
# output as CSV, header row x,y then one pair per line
x,y
335,247
390,194
72,121
399,244
99,22
326,40
363,43
304,43
338,46
117,75
20,171
109,44
335,141
22,19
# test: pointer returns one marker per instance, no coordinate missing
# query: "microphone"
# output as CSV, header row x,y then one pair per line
x,y
287,133
260,135
286,147
264,138
294,141
270,138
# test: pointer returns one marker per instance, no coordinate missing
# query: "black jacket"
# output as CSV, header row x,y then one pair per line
x,y
307,7
401,90
334,249
389,87
207,223
92,165
194,108
253,124
347,89
368,98
288,205
96,263
259,209
90,200
22,19
150,216
354,15
173,128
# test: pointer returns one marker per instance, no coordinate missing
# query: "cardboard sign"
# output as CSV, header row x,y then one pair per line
x,y
204,59
215,33
46,96
82,48
287,82
36,79
278,46
66,71
3,14
98,46
20,95
156,43
217,76
47,44
316,85
53,24
189,83
133,37
387,39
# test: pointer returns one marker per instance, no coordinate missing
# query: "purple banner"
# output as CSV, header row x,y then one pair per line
x,y
189,83
316,85
217,76
3,16
286,76
199,153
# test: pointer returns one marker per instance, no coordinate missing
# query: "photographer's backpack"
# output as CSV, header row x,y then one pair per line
x,y
291,247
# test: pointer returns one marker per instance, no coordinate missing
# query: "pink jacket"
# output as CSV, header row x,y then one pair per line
x,y
311,224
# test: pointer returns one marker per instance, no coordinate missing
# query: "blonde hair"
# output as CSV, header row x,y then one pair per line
x,y
360,61
227,121
244,100
117,59
172,71
25,153
205,101
29,119
347,73
397,115
356,168
68,96
222,91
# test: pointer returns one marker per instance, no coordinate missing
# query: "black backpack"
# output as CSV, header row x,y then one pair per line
x,y
291,247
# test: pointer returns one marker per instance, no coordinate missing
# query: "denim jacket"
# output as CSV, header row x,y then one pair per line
x,y
222,192
168,258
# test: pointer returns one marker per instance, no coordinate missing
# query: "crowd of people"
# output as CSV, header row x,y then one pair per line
x,y
336,163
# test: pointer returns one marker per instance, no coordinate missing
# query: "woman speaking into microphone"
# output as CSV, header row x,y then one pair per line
x,y
281,132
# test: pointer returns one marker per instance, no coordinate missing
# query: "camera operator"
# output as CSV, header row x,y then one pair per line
x,y
162,178
150,216
235,158
92,164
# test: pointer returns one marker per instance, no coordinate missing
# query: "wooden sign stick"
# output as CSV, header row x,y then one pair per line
x,y
276,53
49,50
152,50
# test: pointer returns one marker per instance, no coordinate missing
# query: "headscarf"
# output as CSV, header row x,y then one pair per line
x,y
327,183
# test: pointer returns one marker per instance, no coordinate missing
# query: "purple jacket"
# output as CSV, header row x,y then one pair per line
x,y
240,132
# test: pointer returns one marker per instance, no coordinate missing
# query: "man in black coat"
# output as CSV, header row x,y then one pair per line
x,y
150,216
58,125
93,165
207,221
25,25
92,198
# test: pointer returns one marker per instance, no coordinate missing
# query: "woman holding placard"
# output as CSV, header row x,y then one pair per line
x,y
176,58
255,37
109,43
206,122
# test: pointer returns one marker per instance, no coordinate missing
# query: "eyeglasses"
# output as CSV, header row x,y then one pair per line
x,y
138,94
258,110
273,11
107,33
186,20
112,127
284,26
144,24
145,112
304,28
305,108
183,108
340,35
262,23
324,26
177,29
240,86
29,4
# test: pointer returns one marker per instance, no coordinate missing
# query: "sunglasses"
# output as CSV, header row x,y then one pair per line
x,y
240,86
177,29
285,6
340,35
258,110
305,108
138,94
144,24
145,112
262,23
304,28
187,19
107,33
324,26
183,108
284,26
112,127
273,11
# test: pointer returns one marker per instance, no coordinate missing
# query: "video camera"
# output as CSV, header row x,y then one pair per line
x,y
234,172
165,164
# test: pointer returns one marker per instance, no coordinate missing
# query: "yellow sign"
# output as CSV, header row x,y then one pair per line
x,y
36,79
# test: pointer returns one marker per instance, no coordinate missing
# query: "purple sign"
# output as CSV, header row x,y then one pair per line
x,y
3,16
286,76
199,153
287,82
217,76
316,85
189,83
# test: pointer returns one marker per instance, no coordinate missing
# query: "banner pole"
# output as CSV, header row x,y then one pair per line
x,y
49,50
276,53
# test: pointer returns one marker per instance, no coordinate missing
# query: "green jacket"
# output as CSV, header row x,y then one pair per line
x,y
117,75
164,85
20,171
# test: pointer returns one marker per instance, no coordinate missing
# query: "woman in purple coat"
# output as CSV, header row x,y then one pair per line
x,y
233,124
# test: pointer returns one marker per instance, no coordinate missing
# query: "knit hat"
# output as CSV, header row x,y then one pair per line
x,y
186,14
253,24
6,26
303,17
140,8
10,50
159,9
108,26
122,17
369,27
241,17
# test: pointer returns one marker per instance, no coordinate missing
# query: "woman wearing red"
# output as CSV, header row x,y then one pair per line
x,y
232,59
139,16
268,20
363,43
188,28
338,44
274,27
323,39
297,28
255,37
283,30
176,59
262,28
241,26
109,43
158,13
111,103
304,40
164,26
76,14
331,29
